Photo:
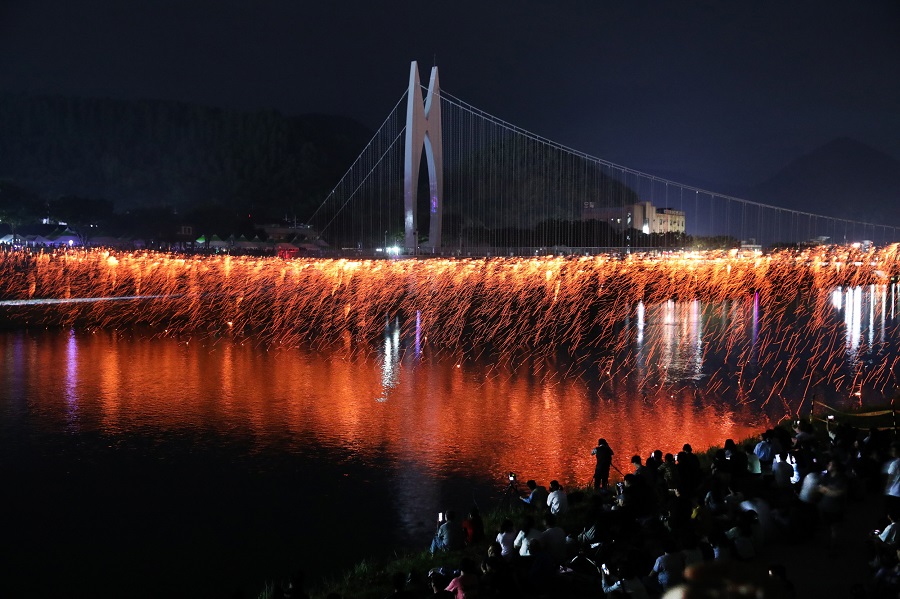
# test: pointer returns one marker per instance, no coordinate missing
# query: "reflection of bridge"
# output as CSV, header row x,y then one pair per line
x,y
447,178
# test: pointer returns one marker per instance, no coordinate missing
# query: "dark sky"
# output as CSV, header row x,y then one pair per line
x,y
722,92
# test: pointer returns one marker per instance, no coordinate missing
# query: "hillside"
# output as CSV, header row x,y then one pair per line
x,y
154,153
843,178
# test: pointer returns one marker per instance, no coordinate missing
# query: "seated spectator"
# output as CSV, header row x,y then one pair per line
x,y
679,510
497,579
637,498
668,569
637,464
891,470
778,573
466,584
623,582
557,500
668,472
884,543
692,552
721,546
543,570
767,527
506,537
398,583
754,467
449,536
733,500
495,550
438,580
891,533
833,503
537,495
715,498
553,539
474,527
527,533
744,537
886,582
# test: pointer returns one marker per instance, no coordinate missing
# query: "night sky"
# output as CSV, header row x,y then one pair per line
x,y
716,93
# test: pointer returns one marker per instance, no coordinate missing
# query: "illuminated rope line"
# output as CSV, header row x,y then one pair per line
x,y
82,300
848,414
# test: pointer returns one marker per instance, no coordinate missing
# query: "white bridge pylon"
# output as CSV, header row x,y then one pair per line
x,y
423,130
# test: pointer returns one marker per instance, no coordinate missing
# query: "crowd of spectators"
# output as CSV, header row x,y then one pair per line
x,y
677,528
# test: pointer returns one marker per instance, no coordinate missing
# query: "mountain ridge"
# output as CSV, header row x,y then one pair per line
x,y
843,178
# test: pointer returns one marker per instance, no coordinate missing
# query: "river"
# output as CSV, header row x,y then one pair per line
x,y
150,465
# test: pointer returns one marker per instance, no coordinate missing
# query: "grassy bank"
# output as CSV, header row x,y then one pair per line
x,y
371,579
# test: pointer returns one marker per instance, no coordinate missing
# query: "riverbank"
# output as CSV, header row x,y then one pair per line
x,y
815,568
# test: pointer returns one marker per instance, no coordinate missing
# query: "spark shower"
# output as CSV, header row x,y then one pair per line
x,y
786,345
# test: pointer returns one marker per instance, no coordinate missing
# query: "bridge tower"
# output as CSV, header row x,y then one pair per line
x,y
423,130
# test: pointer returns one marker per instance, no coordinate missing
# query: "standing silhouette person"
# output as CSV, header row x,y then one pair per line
x,y
604,455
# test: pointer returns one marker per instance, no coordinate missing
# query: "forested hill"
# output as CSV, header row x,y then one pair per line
x,y
156,153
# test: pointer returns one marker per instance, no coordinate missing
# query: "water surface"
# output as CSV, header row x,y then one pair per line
x,y
148,465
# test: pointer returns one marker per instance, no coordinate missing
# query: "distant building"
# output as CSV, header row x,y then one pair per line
x,y
288,233
750,245
643,216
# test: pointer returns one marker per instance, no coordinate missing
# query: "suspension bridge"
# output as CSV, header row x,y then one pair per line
x,y
442,177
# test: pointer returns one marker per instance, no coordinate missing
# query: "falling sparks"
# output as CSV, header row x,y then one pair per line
x,y
514,306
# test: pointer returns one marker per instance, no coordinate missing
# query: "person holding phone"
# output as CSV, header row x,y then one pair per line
x,y
449,535
625,581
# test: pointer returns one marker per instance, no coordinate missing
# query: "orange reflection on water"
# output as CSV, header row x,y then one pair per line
x,y
442,420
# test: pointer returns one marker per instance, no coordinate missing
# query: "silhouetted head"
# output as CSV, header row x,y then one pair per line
x,y
778,571
495,549
527,523
398,581
467,564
